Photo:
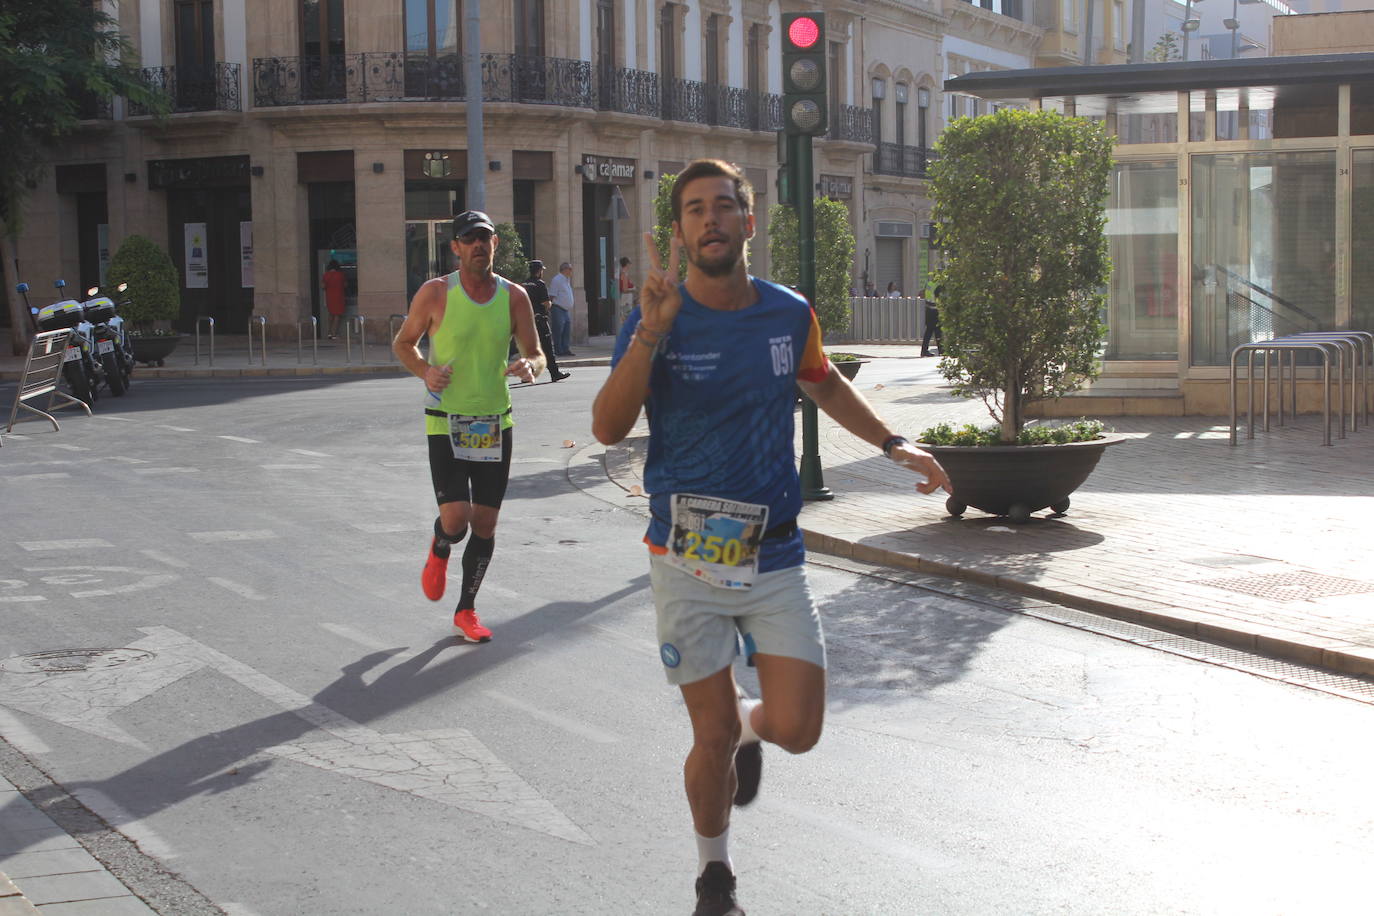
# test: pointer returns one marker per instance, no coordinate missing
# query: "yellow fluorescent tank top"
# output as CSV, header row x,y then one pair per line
x,y
473,338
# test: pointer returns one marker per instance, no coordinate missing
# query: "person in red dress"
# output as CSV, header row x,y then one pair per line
x,y
334,283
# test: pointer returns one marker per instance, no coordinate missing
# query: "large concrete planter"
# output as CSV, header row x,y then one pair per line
x,y
1016,480
154,350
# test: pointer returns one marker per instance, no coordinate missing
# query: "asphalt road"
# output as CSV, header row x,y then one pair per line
x,y
266,704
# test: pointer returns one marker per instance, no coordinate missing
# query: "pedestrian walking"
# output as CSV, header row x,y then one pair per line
x,y
625,285
932,319
539,298
714,361
469,316
335,287
561,292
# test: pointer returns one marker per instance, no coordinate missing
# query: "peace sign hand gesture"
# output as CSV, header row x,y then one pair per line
x,y
659,297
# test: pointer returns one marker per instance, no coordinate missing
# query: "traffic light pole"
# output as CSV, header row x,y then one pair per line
x,y
804,194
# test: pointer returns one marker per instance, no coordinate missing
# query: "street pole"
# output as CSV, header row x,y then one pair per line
x,y
804,192
472,77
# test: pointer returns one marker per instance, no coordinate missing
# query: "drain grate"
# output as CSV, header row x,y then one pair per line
x,y
1297,586
65,661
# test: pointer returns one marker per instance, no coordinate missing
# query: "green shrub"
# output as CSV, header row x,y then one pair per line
x,y
834,258
845,357
510,261
154,291
663,223
1082,430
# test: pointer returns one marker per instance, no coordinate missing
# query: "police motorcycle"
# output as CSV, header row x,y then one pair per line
x,y
79,366
112,347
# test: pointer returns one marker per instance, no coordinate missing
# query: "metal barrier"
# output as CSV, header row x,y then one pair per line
x,y
878,319
314,339
391,333
1363,341
261,322
205,318
1293,346
1345,358
362,339
42,368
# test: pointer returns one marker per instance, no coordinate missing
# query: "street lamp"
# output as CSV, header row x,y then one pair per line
x,y
1190,24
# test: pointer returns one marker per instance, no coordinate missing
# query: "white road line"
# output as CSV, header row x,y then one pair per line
x,y
382,527
132,827
289,467
238,589
405,464
165,558
142,585
176,429
18,734
72,448
74,544
18,599
591,733
236,909
241,439
127,460
53,475
309,454
114,419
215,537
355,636
166,470
17,436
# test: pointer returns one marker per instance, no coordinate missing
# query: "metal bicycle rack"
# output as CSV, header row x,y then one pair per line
x,y
205,318
1346,351
314,339
391,323
260,321
1363,367
362,339
1292,346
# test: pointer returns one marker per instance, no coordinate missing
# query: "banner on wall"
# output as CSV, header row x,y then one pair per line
x,y
246,253
197,265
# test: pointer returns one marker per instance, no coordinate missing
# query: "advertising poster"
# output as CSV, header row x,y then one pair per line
x,y
197,265
246,253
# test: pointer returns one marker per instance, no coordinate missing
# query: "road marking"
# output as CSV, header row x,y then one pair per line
x,y
142,585
127,460
382,527
355,636
128,824
165,558
238,909
82,575
18,436
113,419
241,439
405,464
214,537
166,470
52,475
75,544
72,448
237,588
589,732
18,734
17,599
289,467
176,429
309,454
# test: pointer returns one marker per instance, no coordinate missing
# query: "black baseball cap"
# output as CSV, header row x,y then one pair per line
x,y
469,220
536,265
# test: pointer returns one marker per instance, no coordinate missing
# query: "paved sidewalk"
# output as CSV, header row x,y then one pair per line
x,y
1264,546
333,357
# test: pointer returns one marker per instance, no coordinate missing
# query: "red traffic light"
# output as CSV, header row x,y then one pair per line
x,y
803,32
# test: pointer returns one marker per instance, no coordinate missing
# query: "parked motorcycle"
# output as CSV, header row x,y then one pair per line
x,y
79,366
112,347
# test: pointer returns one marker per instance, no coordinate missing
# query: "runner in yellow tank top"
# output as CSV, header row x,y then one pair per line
x,y
469,316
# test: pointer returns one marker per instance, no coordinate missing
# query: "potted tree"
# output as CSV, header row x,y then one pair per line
x,y
1019,201
153,298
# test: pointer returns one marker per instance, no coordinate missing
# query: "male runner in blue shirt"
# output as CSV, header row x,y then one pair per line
x,y
714,361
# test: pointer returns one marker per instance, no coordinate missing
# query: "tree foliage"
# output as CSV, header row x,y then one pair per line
x,y
154,293
1020,200
57,58
1165,49
510,261
663,223
834,257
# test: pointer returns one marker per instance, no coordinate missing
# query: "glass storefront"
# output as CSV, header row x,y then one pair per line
x,y
430,207
1264,245
1142,232
1362,242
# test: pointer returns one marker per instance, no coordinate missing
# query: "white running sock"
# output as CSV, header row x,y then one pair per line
x,y
747,733
714,849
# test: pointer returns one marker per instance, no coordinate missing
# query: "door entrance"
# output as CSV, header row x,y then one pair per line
x,y
596,265
428,253
206,243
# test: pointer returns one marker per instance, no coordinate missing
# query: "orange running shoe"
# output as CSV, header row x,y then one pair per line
x,y
435,576
472,628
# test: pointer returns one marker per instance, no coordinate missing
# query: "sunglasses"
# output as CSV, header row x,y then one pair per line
x,y
476,235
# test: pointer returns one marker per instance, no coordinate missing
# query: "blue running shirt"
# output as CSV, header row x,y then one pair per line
x,y
721,400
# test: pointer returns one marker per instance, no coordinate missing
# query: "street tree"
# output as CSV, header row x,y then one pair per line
x,y
58,58
1165,49
834,257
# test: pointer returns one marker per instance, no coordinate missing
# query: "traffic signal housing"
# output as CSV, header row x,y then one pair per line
x,y
803,74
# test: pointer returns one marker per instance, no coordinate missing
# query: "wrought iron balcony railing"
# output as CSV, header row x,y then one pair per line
x,y
202,89
850,122
904,161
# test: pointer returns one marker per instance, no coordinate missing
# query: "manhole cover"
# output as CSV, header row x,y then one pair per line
x,y
1299,586
63,661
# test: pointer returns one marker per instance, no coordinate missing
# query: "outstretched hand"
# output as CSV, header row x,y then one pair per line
x,y
923,463
659,297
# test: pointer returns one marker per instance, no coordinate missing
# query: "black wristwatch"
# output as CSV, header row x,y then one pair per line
x,y
892,442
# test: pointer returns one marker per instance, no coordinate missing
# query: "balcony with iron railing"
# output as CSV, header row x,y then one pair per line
x,y
215,88
852,123
901,160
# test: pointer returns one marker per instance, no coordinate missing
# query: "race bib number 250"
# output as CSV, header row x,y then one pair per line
x,y
717,540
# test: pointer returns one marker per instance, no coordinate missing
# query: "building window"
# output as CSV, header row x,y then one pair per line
x,y
667,43
1070,15
1119,24
529,28
434,41
922,116
195,38
954,108
753,61
899,97
879,91
322,46
835,75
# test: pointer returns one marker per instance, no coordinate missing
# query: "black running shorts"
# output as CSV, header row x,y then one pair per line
x,y
459,481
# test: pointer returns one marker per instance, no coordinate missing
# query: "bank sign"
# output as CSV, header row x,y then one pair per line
x,y
608,170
